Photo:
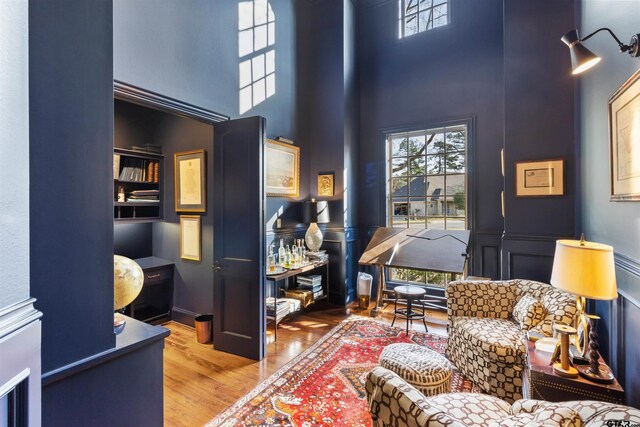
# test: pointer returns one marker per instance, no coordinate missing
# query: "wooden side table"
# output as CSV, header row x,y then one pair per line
x,y
539,381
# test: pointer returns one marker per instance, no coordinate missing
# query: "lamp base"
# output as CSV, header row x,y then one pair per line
x,y
119,322
570,372
603,376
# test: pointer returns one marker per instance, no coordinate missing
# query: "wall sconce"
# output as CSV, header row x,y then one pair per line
x,y
582,58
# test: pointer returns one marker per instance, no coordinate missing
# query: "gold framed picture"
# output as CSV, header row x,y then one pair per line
x,y
190,246
325,184
540,178
624,141
190,185
282,165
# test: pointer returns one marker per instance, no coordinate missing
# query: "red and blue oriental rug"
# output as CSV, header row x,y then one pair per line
x,y
324,385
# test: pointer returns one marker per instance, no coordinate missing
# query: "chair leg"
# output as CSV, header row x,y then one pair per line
x,y
395,310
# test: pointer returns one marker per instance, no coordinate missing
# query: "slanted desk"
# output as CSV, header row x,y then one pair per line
x,y
444,251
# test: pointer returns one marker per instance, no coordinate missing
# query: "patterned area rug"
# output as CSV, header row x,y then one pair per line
x,y
324,385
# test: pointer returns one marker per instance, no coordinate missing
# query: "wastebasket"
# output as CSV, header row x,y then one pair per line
x,y
364,290
204,328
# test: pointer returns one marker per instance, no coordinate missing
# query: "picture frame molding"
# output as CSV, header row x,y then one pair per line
x,y
199,154
284,147
618,194
557,189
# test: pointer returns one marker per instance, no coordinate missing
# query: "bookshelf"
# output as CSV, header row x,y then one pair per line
x,y
137,174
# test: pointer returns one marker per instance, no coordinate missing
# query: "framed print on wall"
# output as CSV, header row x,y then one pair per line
x,y
540,178
189,169
190,237
282,165
325,184
624,140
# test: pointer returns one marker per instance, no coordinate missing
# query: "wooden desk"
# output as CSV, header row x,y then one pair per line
x,y
275,278
155,302
539,381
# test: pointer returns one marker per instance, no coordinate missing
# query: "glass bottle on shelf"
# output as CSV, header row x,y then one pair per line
x,y
281,253
287,258
271,260
294,255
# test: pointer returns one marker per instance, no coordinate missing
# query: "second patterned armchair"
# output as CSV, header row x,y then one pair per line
x,y
488,321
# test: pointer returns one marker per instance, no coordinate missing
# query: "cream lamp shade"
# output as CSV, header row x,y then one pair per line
x,y
127,281
585,269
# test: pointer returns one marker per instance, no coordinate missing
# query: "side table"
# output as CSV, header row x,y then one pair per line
x,y
539,381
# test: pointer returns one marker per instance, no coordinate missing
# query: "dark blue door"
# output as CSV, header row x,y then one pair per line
x,y
238,237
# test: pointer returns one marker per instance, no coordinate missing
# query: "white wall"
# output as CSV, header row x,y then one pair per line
x,y
14,151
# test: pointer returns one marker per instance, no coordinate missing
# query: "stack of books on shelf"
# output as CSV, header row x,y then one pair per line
x,y
311,283
139,170
280,308
144,196
317,256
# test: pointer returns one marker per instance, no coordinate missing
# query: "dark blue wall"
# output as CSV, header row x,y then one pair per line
x,y
451,73
71,129
613,223
188,50
538,125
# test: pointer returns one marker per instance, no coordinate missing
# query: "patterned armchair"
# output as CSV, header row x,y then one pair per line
x,y
488,321
395,403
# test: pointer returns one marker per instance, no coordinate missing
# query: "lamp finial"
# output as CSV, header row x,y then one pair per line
x,y
583,241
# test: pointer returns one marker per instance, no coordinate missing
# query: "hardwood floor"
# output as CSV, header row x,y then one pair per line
x,y
200,382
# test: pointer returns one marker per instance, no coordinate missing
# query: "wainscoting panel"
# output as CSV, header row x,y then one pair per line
x,y
618,328
528,257
486,255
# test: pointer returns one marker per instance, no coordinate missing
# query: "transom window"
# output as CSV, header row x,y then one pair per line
x,y
427,186
416,16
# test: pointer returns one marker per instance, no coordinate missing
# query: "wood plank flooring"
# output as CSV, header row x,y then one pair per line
x,y
200,382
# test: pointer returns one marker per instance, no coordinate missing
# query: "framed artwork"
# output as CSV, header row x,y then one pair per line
x,y
624,140
282,165
540,178
190,237
189,169
325,184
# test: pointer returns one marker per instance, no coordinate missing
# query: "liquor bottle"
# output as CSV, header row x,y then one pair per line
x,y
271,260
281,253
294,255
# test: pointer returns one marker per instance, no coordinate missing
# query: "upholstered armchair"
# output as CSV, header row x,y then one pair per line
x,y
395,403
488,321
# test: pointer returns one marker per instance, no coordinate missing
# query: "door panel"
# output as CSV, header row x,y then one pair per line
x,y
238,216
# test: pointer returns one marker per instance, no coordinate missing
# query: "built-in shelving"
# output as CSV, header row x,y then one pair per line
x,y
137,175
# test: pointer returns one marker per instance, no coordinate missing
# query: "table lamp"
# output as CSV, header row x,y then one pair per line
x,y
586,269
315,213
127,284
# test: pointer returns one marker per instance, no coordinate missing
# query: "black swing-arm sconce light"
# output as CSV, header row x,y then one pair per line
x,y
582,58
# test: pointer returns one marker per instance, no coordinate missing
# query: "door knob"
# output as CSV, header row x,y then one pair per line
x,y
216,266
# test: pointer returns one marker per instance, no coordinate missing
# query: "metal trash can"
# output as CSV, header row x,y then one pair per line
x,y
364,290
204,328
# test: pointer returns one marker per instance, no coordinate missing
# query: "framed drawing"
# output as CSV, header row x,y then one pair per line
x,y
540,178
282,164
189,169
325,184
190,237
624,140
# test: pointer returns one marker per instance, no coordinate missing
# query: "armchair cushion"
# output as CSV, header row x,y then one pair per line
x,y
528,312
559,306
498,340
492,299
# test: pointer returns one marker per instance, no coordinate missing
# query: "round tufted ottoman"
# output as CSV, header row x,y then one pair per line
x,y
421,367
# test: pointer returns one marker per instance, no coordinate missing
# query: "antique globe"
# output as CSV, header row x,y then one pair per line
x,y
127,284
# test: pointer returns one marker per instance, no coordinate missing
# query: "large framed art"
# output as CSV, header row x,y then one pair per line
x,y
189,169
282,164
624,140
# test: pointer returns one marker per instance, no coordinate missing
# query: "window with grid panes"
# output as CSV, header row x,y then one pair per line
x,y
427,187
416,16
